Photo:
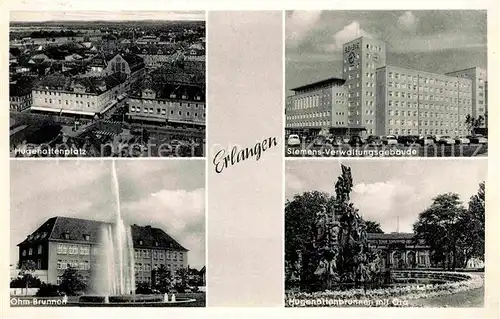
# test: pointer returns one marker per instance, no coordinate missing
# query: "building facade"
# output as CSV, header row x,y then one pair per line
x,y
83,96
317,107
62,242
167,97
479,79
20,98
421,102
361,58
400,250
411,102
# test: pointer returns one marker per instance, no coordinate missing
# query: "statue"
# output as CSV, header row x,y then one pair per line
x,y
339,250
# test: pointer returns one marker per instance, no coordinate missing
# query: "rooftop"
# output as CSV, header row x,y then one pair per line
x,y
322,83
76,229
89,85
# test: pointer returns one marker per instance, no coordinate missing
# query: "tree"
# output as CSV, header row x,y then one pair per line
x,y
181,279
440,226
27,271
472,227
72,282
373,227
473,123
300,225
162,279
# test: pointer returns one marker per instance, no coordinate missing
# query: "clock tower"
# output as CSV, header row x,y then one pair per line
x,y
361,58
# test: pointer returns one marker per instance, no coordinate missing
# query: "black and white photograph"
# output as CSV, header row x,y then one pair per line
x,y
385,233
386,83
107,233
107,83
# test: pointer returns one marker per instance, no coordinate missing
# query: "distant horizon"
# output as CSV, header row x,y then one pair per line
x,y
103,16
72,21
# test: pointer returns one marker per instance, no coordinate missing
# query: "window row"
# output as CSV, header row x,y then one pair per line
x,y
420,122
78,264
402,131
29,252
163,111
312,115
427,80
307,102
65,249
168,103
314,123
426,97
158,254
422,114
442,107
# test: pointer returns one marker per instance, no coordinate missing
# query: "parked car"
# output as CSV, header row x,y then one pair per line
x,y
336,141
374,140
346,139
320,140
356,140
293,140
446,140
408,140
478,139
462,140
390,140
426,140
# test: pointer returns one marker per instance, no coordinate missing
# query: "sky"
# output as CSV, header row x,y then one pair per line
x,y
165,194
386,189
38,16
433,41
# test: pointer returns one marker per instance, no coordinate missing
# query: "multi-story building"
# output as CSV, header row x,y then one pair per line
x,y
401,250
361,58
62,241
479,80
78,95
174,95
106,64
169,103
20,94
317,107
92,93
154,248
411,102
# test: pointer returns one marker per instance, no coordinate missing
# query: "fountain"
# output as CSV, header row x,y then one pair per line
x,y
114,276
117,264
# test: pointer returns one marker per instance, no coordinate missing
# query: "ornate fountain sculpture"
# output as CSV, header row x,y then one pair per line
x,y
341,242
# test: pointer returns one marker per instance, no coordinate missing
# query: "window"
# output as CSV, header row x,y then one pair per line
x,y
30,251
40,249
24,252
62,249
84,250
73,250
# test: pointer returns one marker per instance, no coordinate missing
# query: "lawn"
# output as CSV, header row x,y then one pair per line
x,y
472,298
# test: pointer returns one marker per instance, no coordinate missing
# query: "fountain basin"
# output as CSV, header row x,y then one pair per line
x,y
131,299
